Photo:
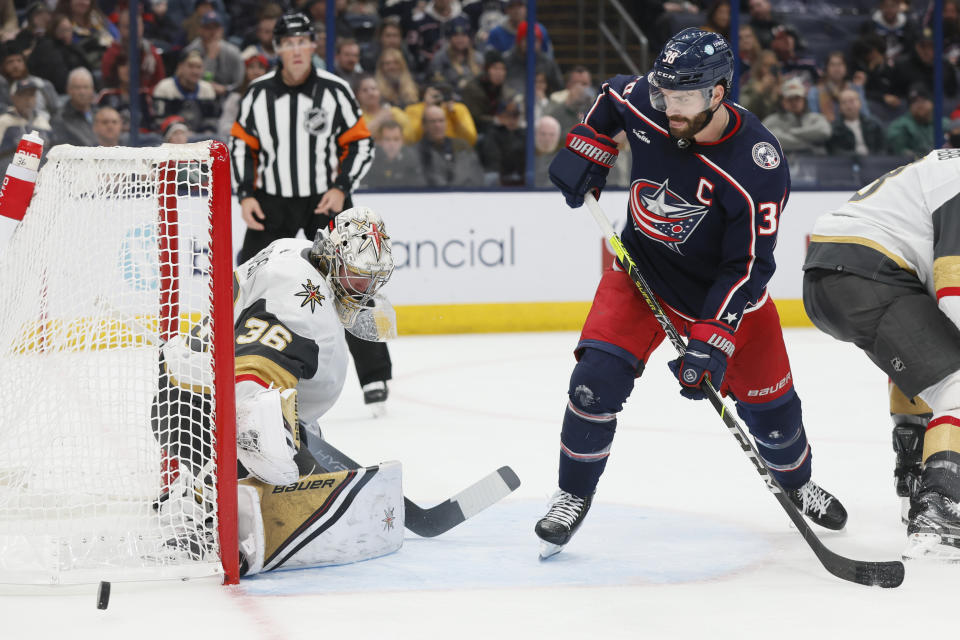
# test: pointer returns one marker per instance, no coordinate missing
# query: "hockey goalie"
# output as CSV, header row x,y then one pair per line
x,y
292,302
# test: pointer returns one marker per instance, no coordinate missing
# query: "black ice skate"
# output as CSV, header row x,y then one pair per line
x,y
562,520
908,445
820,506
934,529
375,396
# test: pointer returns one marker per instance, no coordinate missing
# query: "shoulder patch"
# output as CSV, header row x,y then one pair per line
x,y
311,295
766,156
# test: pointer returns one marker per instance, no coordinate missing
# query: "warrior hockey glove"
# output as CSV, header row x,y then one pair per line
x,y
711,343
583,164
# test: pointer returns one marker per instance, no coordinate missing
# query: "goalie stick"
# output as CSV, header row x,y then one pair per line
x,y
431,522
883,574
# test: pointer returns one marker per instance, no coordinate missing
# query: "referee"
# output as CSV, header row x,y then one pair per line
x,y
298,148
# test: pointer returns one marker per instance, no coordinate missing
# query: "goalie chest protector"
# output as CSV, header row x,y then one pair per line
x,y
287,332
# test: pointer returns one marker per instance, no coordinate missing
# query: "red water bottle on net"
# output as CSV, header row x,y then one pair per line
x,y
21,177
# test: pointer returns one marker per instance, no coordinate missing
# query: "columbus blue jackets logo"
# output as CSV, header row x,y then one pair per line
x,y
766,156
662,215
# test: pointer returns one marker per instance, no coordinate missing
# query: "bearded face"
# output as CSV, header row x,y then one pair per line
x,y
683,127
687,111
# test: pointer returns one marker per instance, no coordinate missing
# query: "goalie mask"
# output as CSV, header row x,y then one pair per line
x,y
355,255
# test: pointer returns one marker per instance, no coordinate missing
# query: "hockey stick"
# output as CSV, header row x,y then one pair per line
x,y
883,574
430,522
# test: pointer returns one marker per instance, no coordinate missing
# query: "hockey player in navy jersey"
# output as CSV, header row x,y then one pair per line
x,y
708,185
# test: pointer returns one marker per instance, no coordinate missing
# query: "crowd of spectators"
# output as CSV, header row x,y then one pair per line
x,y
856,80
441,83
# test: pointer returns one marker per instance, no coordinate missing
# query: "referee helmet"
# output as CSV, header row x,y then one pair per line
x,y
292,24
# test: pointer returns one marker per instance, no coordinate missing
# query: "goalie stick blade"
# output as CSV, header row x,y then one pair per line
x,y
431,522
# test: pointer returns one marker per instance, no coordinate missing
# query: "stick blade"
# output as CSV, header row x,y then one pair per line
x,y
872,574
484,493
881,574
510,478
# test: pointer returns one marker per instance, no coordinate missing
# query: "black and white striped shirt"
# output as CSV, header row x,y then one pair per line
x,y
299,141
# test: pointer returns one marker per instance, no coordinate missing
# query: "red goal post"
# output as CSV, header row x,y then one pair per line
x,y
122,253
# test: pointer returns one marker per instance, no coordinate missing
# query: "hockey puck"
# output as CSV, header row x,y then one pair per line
x,y
103,595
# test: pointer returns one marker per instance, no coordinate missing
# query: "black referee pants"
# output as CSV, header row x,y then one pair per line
x,y
284,217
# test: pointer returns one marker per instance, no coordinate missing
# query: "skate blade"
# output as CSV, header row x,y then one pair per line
x,y
378,409
930,546
548,549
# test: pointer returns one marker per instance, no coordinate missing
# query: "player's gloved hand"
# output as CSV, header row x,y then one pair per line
x,y
583,164
711,343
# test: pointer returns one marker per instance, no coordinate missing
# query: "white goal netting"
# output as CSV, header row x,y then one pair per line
x,y
108,468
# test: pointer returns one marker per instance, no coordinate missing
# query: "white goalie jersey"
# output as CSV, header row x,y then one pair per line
x,y
287,331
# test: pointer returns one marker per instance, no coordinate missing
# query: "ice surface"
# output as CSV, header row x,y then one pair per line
x,y
683,540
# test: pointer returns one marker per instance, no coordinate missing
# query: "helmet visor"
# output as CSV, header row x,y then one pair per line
x,y
687,103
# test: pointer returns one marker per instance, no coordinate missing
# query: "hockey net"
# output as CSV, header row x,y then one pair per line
x,y
108,469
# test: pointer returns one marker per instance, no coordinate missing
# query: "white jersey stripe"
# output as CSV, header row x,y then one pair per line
x,y
303,145
282,107
267,145
345,110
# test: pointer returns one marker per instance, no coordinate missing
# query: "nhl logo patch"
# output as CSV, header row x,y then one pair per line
x,y
315,120
766,156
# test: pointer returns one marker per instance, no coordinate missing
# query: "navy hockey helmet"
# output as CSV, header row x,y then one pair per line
x,y
692,59
292,24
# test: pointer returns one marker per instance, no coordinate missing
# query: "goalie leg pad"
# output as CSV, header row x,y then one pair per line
x,y
599,385
249,529
266,444
332,518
